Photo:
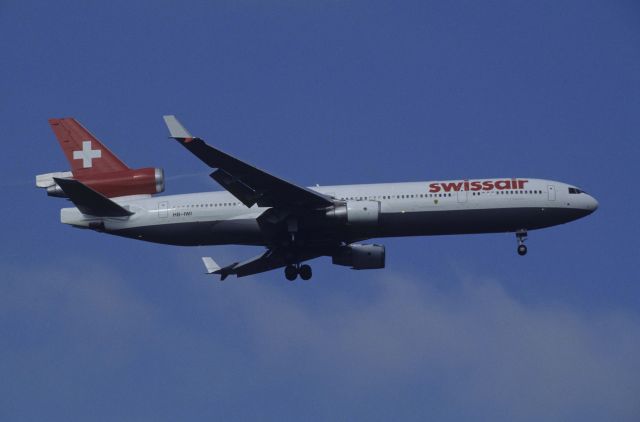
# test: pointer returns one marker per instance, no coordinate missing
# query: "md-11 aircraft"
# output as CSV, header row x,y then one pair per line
x,y
294,223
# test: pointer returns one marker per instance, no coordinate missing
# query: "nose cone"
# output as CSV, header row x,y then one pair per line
x,y
592,204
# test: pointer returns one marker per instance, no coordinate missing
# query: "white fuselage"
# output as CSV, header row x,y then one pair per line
x,y
405,209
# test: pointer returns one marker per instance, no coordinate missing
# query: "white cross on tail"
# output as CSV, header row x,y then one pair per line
x,y
87,154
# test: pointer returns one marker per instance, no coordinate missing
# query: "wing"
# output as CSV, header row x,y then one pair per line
x,y
247,183
270,260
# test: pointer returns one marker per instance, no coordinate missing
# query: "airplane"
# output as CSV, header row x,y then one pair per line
x,y
295,224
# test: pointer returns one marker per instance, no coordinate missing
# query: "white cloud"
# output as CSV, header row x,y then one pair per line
x,y
484,352
408,350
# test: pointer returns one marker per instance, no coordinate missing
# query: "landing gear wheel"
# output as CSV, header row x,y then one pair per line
x,y
521,235
290,272
305,272
522,250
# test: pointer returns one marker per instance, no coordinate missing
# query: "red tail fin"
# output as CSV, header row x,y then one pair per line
x,y
86,154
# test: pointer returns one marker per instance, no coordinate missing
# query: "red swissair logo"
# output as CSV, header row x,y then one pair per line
x,y
476,185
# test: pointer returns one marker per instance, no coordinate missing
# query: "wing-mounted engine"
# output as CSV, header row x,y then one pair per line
x,y
145,181
360,257
355,213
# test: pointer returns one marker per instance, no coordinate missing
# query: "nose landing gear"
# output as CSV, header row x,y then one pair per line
x,y
521,235
291,272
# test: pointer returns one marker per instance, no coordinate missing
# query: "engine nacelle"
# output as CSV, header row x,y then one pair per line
x,y
360,257
356,213
120,183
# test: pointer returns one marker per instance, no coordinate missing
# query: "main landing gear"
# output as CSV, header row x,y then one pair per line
x,y
521,235
291,272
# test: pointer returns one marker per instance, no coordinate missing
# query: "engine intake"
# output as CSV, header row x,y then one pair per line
x,y
360,257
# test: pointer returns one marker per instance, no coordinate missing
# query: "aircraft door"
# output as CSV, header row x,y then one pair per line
x,y
462,196
552,192
163,209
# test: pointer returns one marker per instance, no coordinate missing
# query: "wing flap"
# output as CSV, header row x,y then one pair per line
x,y
236,187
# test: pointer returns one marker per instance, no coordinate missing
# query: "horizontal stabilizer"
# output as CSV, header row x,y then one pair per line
x,y
89,201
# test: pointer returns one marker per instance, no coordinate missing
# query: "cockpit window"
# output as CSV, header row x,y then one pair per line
x,y
575,190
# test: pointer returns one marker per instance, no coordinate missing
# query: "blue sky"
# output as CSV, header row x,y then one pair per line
x,y
329,92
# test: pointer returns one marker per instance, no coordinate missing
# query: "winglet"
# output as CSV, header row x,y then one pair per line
x,y
211,265
176,129
213,268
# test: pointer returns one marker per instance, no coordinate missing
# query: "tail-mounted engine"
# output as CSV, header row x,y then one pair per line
x,y
360,257
119,183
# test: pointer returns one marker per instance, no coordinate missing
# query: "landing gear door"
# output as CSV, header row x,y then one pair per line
x,y
552,192
163,209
